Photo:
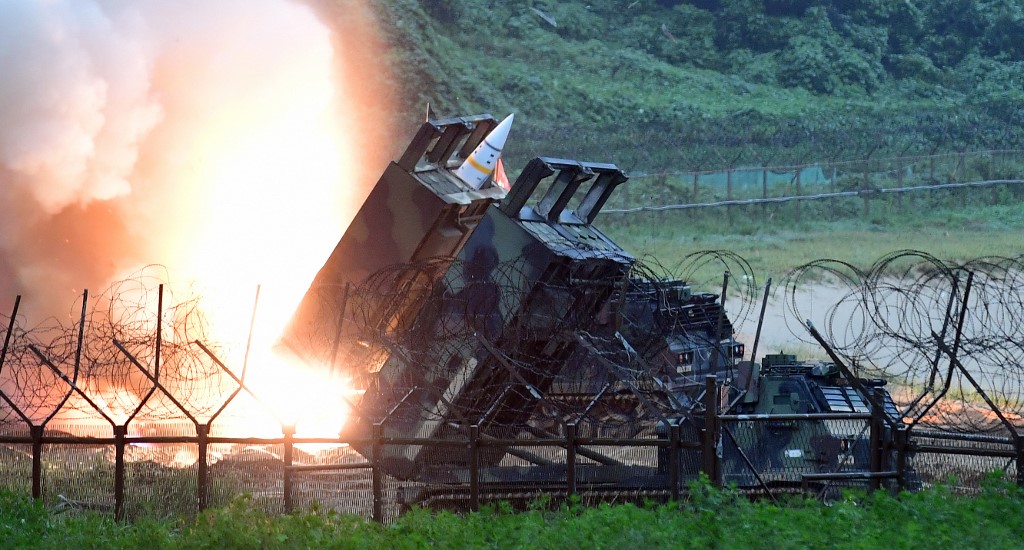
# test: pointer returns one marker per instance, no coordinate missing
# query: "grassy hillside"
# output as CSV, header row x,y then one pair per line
x,y
656,85
701,83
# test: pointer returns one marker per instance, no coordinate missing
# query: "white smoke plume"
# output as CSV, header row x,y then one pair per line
x,y
186,133
75,100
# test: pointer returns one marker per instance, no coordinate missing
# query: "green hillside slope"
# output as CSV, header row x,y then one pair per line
x,y
691,84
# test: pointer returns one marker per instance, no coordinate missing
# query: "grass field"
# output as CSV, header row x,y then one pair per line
x,y
773,249
710,518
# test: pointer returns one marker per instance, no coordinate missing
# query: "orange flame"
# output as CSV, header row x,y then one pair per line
x,y
228,141
279,181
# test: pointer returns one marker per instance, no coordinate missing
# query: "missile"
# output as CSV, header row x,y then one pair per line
x,y
479,165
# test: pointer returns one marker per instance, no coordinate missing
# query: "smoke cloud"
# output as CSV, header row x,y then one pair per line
x,y
194,134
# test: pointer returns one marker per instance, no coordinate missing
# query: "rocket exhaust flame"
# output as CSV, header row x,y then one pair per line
x,y
211,138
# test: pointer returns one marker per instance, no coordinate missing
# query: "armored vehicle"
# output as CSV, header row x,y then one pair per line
x,y
474,313
788,424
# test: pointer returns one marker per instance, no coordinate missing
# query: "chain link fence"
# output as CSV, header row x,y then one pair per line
x,y
825,190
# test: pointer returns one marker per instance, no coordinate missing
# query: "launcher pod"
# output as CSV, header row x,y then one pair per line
x,y
417,210
502,322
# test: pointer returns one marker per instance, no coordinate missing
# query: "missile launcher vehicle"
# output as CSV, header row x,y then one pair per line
x,y
465,311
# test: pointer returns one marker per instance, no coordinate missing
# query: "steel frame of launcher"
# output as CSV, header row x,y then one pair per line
x,y
462,452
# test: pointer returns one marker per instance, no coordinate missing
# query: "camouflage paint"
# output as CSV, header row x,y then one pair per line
x,y
417,209
563,266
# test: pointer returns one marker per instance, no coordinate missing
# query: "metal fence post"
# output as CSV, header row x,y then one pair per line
x,y
570,459
474,467
899,183
728,196
693,200
375,454
710,443
962,169
799,192
866,188
37,461
764,194
673,460
993,173
901,438
119,435
875,445
289,436
833,173
1019,444
625,204
202,438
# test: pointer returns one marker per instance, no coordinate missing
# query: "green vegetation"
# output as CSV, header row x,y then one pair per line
x,y
776,246
676,85
680,84
710,518
83,477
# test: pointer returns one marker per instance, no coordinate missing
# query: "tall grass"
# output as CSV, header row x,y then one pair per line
x,y
708,518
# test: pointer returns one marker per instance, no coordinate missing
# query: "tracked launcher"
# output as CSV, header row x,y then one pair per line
x,y
490,315
469,341
502,350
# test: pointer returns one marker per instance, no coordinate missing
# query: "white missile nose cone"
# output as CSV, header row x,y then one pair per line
x,y
499,134
479,165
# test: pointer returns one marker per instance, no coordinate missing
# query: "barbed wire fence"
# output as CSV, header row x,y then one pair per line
x,y
903,317
89,399
128,408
